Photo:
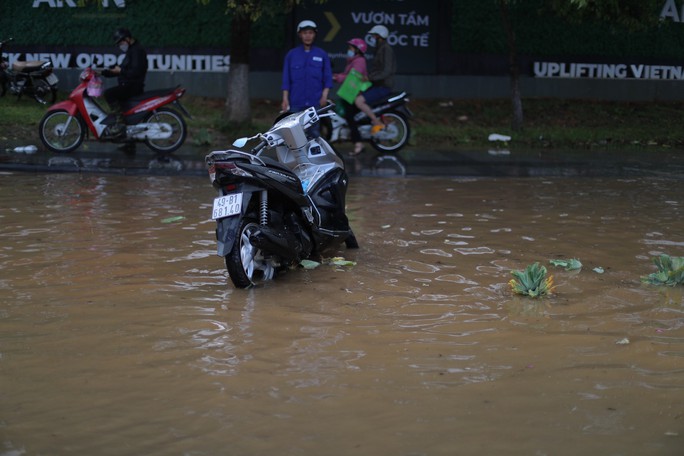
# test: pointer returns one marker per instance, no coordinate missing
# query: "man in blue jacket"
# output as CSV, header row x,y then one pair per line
x,y
307,74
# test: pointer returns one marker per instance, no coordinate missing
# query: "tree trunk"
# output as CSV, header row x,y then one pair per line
x,y
514,69
237,108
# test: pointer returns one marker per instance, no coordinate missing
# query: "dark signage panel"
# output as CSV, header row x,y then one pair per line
x,y
412,25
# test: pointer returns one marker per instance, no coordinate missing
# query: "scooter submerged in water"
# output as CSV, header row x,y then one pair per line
x,y
149,117
273,212
394,113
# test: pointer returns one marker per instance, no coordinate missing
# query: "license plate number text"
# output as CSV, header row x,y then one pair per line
x,y
225,206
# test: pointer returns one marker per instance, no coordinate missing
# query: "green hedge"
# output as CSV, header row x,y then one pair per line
x,y
158,23
477,29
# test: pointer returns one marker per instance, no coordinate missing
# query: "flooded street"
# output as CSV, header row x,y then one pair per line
x,y
122,335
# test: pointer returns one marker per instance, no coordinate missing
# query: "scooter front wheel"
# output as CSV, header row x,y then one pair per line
x,y
395,135
61,132
172,127
246,263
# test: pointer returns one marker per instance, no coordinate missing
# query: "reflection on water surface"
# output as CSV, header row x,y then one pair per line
x,y
122,335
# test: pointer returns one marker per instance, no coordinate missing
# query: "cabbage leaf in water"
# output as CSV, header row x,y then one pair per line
x,y
670,271
336,261
569,265
532,281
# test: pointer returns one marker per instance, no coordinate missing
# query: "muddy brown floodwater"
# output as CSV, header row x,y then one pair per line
x,y
121,334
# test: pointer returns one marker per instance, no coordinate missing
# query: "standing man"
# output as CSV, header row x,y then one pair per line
x,y
307,74
131,75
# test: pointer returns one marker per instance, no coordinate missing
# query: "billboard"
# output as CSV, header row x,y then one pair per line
x,y
412,25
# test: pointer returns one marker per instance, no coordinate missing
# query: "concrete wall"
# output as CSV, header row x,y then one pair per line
x,y
267,85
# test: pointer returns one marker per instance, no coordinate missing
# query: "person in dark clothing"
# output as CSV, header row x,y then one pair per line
x,y
131,75
381,74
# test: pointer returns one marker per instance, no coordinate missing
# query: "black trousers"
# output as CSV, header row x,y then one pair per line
x,y
116,95
350,110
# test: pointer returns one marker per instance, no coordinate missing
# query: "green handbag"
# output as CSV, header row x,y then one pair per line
x,y
352,85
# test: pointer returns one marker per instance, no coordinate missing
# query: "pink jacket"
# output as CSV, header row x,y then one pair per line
x,y
358,63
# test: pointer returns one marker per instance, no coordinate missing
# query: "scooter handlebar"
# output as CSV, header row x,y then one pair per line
x,y
259,147
330,106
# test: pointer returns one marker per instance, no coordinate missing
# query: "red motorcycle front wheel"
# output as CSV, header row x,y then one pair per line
x,y
61,132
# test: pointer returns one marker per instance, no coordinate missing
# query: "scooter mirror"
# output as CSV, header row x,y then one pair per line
x,y
240,142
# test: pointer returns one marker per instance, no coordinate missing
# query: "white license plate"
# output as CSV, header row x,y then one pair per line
x,y
52,79
225,206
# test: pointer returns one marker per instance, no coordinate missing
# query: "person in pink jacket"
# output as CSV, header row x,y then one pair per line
x,y
356,60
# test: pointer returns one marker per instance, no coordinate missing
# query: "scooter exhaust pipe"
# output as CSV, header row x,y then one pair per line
x,y
283,244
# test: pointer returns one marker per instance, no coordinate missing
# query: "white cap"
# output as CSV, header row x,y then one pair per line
x,y
380,30
307,24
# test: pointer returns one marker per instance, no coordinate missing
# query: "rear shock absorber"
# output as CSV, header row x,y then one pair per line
x,y
263,208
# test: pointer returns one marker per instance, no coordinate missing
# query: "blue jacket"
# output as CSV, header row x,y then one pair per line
x,y
305,75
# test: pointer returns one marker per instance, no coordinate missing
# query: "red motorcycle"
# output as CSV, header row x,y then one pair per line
x,y
149,118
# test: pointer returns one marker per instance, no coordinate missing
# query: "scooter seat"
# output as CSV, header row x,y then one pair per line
x,y
31,65
276,164
151,94
391,97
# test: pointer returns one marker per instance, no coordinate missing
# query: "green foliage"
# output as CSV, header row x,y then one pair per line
x,y
202,137
181,23
631,14
551,28
532,281
670,271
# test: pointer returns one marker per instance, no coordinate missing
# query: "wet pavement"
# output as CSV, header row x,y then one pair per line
x,y
496,161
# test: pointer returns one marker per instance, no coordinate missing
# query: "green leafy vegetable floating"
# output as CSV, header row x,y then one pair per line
x,y
532,281
309,264
670,271
569,265
336,261
339,261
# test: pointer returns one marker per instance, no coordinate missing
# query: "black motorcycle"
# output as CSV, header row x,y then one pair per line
x,y
33,78
394,113
274,211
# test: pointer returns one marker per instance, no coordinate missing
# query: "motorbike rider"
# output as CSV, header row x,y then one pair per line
x,y
131,76
381,74
355,60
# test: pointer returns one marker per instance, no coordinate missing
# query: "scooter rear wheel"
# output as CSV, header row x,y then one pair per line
x,y
43,92
395,135
169,120
245,263
61,132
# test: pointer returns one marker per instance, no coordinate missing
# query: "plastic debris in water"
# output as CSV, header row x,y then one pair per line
x,y
498,137
623,341
24,149
177,218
